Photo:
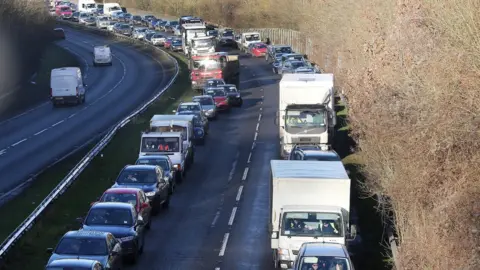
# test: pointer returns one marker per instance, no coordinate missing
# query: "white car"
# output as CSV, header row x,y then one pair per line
x,y
111,25
158,40
102,55
139,32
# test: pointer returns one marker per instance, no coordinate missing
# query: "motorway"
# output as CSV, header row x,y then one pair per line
x,y
32,140
218,218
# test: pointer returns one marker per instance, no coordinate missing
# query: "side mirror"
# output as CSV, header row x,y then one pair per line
x,y
49,250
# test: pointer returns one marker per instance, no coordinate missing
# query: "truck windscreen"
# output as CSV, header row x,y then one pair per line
x,y
202,43
305,121
160,144
312,224
252,38
206,64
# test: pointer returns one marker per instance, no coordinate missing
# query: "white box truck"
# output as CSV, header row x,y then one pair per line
x,y
306,111
310,202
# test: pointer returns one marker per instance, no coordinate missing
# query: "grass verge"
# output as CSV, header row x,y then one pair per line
x,y
29,252
370,253
30,94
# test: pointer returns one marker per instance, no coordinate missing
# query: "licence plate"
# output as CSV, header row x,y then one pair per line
x,y
59,98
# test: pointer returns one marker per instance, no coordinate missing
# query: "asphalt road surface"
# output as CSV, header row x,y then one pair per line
x,y
32,140
218,217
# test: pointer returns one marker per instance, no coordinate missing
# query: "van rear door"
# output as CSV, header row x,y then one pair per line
x,y
64,85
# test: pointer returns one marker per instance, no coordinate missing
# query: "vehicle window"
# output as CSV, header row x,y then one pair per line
x,y
254,37
131,176
206,64
163,163
316,224
82,246
111,242
324,262
160,144
120,197
230,89
68,268
322,158
184,107
204,101
109,216
261,46
215,92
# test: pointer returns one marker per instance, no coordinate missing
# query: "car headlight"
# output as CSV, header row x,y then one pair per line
x,y
238,95
283,254
175,166
127,238
151,193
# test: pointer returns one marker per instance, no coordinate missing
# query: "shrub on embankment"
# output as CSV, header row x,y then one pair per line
x,y
25,32
410,70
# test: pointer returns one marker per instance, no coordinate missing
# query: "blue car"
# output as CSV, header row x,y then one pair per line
x,y
91,245
77,264
123,221
149,178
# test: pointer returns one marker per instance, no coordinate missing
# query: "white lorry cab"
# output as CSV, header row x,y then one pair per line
x,y
202,45
306,111
248,38
67,86
310,202
109,8
89,6
102,55
180,151
189,31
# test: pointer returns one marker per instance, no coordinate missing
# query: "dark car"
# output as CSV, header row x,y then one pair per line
x,y
91,245
313,152
124,29
176,45
200,125
148,36
121,220
234,97
74,264
147,19
212,33
137,20
134,196
75,16
59,33
161,25
127,17
220,97
166,164
152,23
150,179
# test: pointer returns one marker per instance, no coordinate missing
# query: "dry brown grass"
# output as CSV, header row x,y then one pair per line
x,y
410,69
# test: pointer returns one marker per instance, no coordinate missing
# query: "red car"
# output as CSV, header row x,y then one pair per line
x,y
134,196
59,33
259,50
220,97
168,42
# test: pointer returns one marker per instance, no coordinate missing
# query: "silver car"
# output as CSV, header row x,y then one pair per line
x,y
102,22
208,105
158,39
295,66
139,32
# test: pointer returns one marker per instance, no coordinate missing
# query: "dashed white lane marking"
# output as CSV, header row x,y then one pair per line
x,y
224,245
232,216
3,151
40,132
217,268
19,142
215,219
249,158
71,115
258,125
245,173
58,123
255,137
239,193
234,166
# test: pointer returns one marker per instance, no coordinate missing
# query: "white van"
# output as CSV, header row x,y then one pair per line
x,y
102,55
66,86
108,8
87,6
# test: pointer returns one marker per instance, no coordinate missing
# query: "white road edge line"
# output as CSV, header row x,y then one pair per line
x,y
224,245
217,268
258,124
215,219
249,157
232,216
40,132
3,151
256,135
245,173
239,193
259,118
19,142
58,123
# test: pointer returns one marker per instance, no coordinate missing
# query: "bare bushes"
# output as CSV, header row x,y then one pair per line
x,y
25,31
410,70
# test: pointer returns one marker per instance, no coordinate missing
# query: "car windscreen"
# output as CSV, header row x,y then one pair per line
x,y
261,46
82,246
103,216
177,42
204,101
215,92
230,89
187,107
68,268
154,161
159,144
283,50
132,176
120,197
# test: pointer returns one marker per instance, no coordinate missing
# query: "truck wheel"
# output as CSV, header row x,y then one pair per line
x,y
179,177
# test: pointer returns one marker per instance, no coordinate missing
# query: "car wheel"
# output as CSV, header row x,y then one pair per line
x,y
134,258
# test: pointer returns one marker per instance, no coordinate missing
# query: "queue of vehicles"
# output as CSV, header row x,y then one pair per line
x,y
316,228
